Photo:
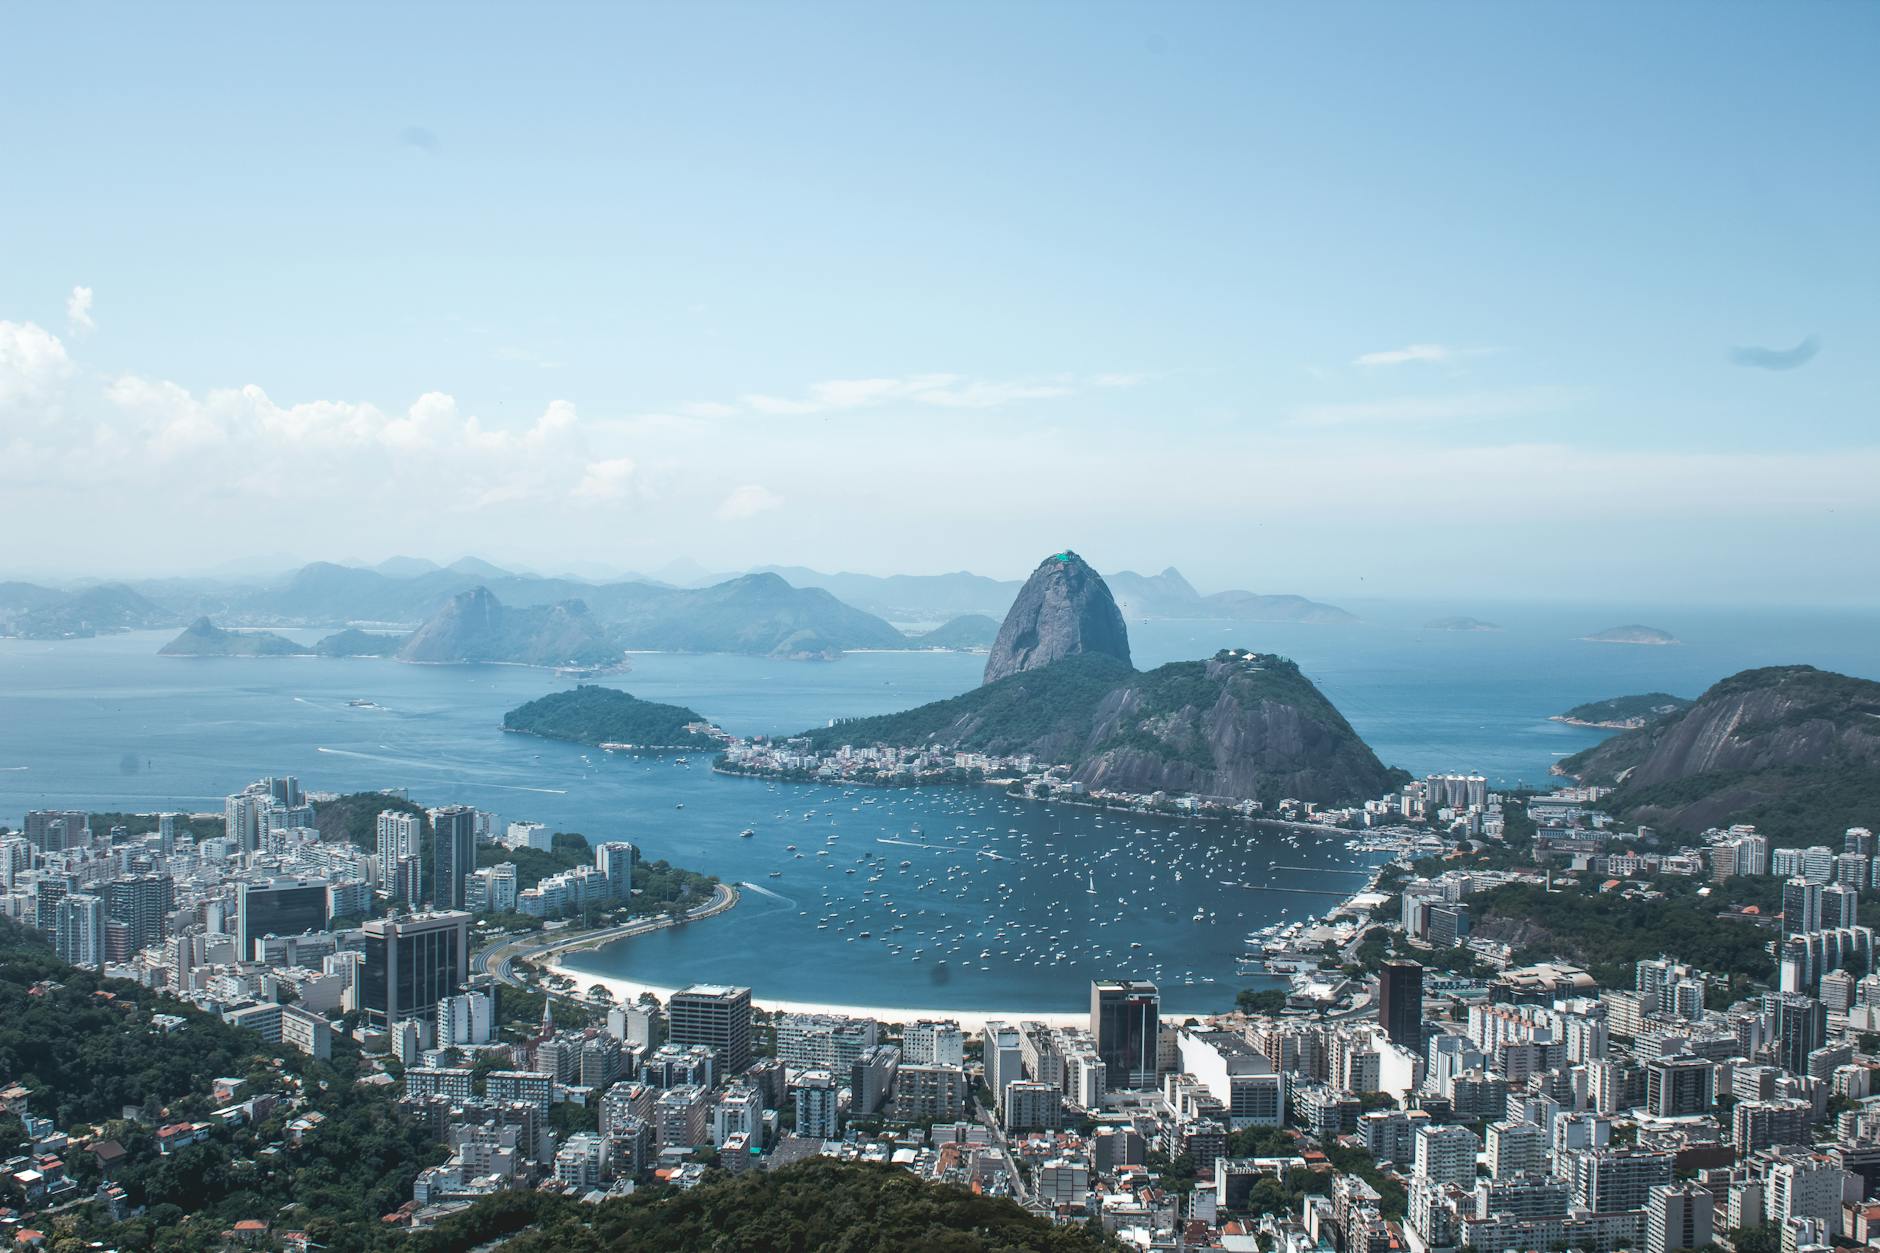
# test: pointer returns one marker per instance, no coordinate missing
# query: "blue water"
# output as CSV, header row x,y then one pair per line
x,y
106,724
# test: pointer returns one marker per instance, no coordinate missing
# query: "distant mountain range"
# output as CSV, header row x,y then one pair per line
x,y
783,612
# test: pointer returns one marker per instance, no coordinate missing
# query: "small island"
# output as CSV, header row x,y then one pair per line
x,y
966,633
1631,634
608,718
1459,624
1624,713
203,638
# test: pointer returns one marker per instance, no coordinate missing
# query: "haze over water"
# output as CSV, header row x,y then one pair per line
x,y
105,724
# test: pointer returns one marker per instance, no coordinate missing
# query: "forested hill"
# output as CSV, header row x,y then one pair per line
x,y
1792,749
604,715
1239,724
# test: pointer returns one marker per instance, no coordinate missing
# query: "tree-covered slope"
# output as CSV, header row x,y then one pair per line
x,y
1239,724
203,638
1793,749
604,715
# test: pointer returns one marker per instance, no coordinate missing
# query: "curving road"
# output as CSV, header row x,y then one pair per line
x,y
499,959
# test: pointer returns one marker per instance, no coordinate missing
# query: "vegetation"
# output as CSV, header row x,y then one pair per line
x,y
973,630
604,715
203,638
813,1205
352,642
1628,710
354,817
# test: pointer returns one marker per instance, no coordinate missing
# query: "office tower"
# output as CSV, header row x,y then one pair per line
x,y
400,839
1400,1004
615,860
1799,1030
142,903
79,930
717,1017
278,907
1125,1022
413,963
454,852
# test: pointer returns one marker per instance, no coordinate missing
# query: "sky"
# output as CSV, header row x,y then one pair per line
x,y
1543,301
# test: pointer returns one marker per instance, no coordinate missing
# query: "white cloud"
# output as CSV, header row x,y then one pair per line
x,y
747,502
1428,354
78,310
33,364
1454,407
605,480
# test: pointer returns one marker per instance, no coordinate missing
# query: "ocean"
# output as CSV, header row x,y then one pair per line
x,y
941,897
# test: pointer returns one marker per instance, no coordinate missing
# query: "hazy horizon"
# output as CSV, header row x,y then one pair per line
x,y
1476,304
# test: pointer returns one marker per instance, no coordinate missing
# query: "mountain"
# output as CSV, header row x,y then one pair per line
x,y
1459,624
1239,725
605,715
1792,749
972,630
405,567
476,627
202,638
1064,610
755,613
353,642
1169,595
1624,713
45,613
1631,634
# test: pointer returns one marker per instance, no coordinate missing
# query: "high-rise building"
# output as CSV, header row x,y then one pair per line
x,y
1840,905
400,838
930,1042
1003,1054
615,860
1400,1004
1446,1155
142,903
242,818
1800,1027
815,1093
79,931
1678,1216
1125,1022
412,964
49,830
1801,906
717,1017
278,907
454,852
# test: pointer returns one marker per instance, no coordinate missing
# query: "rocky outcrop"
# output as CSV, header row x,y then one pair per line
x,y
1064,610
476,627
1789,745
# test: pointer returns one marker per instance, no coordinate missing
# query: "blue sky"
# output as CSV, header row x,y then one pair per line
x,y
1293,297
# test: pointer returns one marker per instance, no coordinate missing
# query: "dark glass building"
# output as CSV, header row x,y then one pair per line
x,y
1400,1004
1126,1021
278,907
412,964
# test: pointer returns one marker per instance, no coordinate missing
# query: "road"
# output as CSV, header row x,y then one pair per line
x,y
500,958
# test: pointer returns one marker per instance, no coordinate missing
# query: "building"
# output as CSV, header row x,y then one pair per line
x,y
1033,1106
933,1043
1609,1180
871,1079
286,906
1125,1023
142,903
1003,1055
454,853
1676,1086
1243,1081
681,1117
1678,1216
1400,1004
928,1093
818,1116
717,1017
615,859
400,842
411,964
79,930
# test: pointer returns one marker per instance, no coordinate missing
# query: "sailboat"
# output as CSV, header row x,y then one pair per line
x,y
1092,889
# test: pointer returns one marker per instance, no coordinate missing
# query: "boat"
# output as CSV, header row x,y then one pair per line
x,y
746,834
1092,889
776,874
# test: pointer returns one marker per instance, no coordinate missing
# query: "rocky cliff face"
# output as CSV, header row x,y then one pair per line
x,y
1064,610
475,626
1759,742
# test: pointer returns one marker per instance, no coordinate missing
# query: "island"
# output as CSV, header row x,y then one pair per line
x,y
1632,633
1459,624
1624,713
609,718
203,638
353,642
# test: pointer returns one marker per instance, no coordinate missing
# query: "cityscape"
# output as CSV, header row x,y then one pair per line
x,y
1230,626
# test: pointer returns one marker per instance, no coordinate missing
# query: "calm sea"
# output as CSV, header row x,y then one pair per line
x,y
936,898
